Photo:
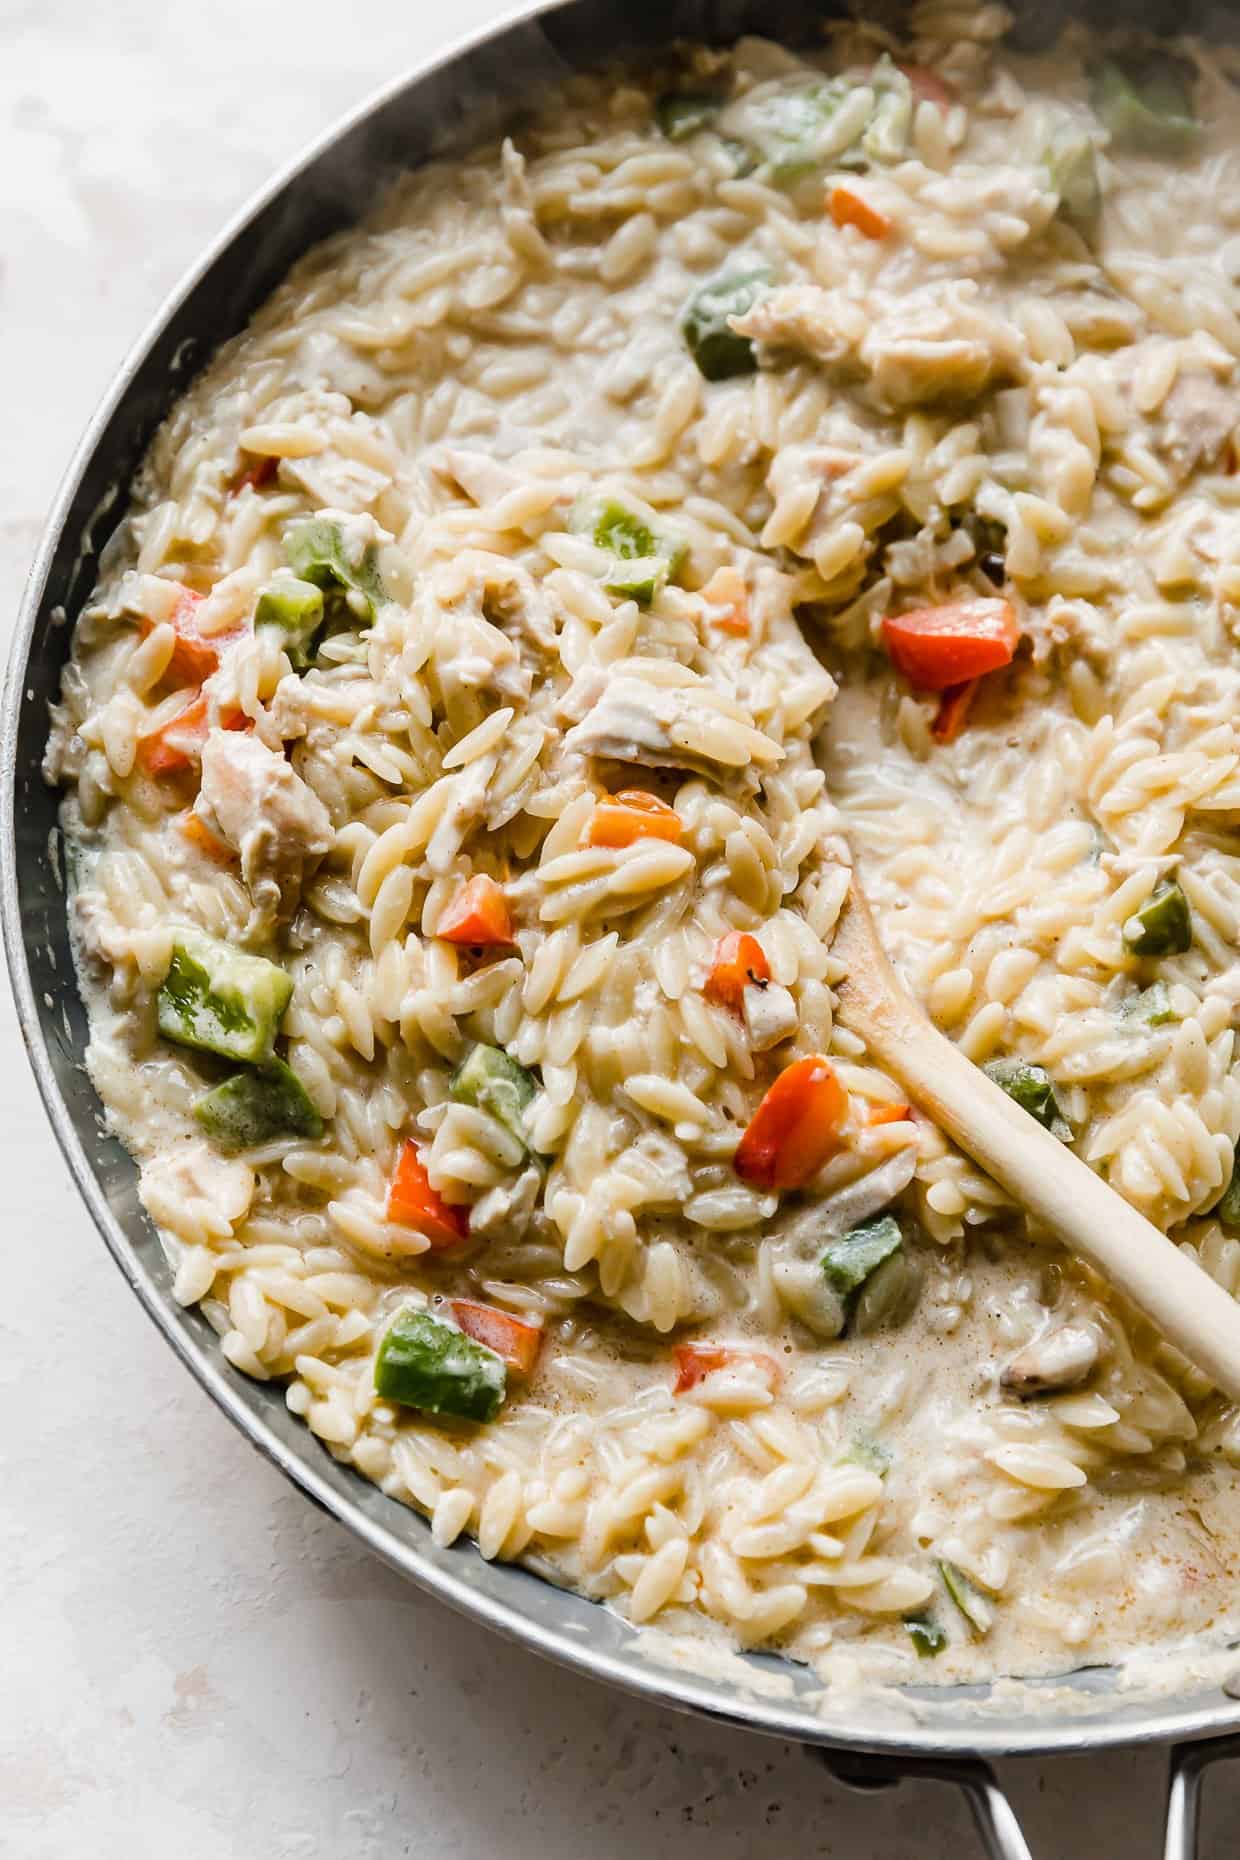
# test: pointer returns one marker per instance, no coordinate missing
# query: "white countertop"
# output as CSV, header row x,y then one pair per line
x,y
195,1663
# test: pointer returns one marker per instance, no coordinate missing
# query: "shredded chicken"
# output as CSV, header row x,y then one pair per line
x,y
938,343
194,1192
770,1015
1193,424
503,591
268,815
688,725
1057,1360
483,479
504,1213
1199,417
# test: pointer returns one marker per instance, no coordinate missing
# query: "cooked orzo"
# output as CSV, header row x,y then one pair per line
x,y
761,462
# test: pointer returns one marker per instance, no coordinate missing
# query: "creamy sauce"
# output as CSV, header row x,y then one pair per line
x,y
965,392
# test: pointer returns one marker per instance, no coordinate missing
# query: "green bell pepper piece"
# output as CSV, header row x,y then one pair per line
x,y
869,1452
1162,927
682,113
316,551
1152,1007
1227,1208
1145,99
296,607
849,1261
220,999
926,1635
976,1610
786,128
885,138
425,1362
256,1107
642,558
1030,1087
488,1079
714,345
1073,169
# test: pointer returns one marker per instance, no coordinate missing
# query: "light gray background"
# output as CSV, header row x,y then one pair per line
x,y
193,1663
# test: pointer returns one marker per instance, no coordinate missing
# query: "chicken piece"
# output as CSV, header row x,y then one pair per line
x,y
268,815
483,479
1198,420
687,725
1193,423
195,1193
505,1211
770,1015
933,345
502,591
827,325
1057,1360
472,655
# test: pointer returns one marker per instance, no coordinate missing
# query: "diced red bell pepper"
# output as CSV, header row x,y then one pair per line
x,y
478,915
927,86
414,1203
849,207
876,1114
260,472
632,815
195,656
726,590
695,1361
796,1128
177,744
936,647
516,1342
198,833
953,712
739,960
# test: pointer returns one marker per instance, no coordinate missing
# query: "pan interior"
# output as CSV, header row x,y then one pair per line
x,y
446,106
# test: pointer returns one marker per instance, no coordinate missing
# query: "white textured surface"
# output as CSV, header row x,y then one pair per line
x,y
196,1664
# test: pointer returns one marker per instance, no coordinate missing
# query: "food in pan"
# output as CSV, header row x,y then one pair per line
x,y
764,461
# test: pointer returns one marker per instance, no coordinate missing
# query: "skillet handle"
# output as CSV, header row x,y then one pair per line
x,y
992,1813
1184,1792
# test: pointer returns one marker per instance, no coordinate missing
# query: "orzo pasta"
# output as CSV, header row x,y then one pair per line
x,y
765,461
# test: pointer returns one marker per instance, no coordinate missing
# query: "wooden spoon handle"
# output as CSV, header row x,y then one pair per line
x,y
1037,1170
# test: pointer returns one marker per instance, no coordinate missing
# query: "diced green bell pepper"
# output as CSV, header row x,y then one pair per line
x,y
682,113
316,551
872,1275
1073,169
1227,1208
489,1080
885,137
888,1295
220,999
257,1107
869,1452
739,154
1162,927
714,345
926,1635
787,127
1145,99
1030,1087
974,1607
296,607
849,1261
1152,1007
642,558
425,1362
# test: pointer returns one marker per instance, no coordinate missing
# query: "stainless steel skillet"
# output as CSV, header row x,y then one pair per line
x,y
932,1734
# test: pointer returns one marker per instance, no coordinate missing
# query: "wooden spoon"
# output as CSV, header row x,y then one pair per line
x,y
1037,1170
